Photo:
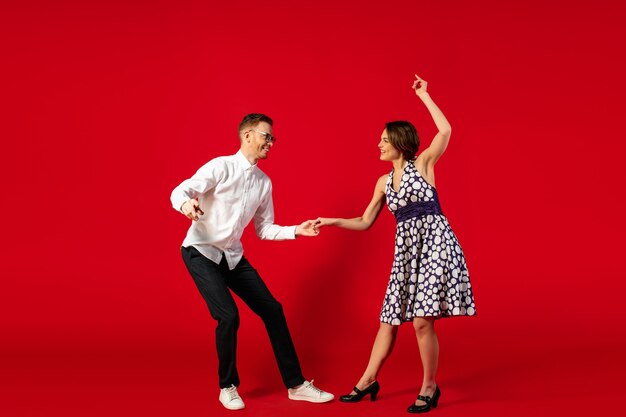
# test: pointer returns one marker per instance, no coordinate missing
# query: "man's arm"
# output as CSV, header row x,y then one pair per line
x,y
183,197
267,230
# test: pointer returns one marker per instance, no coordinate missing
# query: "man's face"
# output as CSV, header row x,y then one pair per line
x,y
258,140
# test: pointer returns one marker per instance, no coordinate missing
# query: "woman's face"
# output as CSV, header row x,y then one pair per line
x,y
387,151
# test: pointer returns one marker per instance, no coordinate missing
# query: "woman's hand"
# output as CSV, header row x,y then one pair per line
x,y
307,228
321,222
419,86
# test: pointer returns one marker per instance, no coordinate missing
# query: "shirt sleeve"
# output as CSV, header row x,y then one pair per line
x,y
202,181
264,222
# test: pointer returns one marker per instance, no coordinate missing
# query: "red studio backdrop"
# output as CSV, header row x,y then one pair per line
x,y
108,105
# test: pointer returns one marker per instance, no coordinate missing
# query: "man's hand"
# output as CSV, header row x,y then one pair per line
x,y
307,228
191,209
321,222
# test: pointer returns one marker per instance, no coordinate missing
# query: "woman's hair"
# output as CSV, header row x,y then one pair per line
x,y
404,138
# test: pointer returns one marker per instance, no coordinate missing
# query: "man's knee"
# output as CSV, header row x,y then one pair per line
x,y
272,309
229,320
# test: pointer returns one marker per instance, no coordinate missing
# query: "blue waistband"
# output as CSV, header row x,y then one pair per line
x,y
418,209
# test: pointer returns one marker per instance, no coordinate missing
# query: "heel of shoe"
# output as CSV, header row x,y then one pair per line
x,y
436,397
371,390
374,388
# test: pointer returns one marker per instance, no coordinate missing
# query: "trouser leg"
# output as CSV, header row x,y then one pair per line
x,y
248,285
211,280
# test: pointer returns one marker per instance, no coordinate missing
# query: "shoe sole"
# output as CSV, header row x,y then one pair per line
x,y
309,399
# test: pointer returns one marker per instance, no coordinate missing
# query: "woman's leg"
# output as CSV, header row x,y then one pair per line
x,y
383,345
429,353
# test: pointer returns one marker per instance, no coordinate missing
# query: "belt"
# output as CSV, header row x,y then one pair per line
x,y
412,210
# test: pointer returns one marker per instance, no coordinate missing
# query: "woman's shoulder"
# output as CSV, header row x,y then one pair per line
x,y
381,183
383,178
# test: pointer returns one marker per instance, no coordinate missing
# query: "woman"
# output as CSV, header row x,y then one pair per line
x,y
429,277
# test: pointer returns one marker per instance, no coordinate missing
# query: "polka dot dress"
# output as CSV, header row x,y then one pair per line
x,y
429,276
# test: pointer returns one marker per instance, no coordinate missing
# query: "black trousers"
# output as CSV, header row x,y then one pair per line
x,y
214,282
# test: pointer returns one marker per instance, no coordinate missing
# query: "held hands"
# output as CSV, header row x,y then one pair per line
x,y
307,228
312,227
191,209
321,222
419,86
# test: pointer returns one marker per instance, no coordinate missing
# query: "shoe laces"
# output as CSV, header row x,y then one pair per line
x,y
232,393
310,386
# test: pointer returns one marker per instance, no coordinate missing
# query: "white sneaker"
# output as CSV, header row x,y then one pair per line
x,y
309,392
229,397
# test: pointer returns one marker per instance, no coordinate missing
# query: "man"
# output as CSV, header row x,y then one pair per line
x,y
230,192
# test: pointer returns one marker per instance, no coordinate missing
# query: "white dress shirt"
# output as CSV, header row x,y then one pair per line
x,y
231,192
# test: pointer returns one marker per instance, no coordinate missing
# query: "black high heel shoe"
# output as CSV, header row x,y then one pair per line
x,y
430,402
353,398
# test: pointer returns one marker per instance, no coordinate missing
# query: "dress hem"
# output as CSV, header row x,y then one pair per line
x,y
436,317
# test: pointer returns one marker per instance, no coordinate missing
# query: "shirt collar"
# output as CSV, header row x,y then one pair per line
x,y
243,162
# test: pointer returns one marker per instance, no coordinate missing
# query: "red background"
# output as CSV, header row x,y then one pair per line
x,y
106,106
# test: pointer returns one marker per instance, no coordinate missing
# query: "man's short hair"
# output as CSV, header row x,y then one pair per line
x,y
252,120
